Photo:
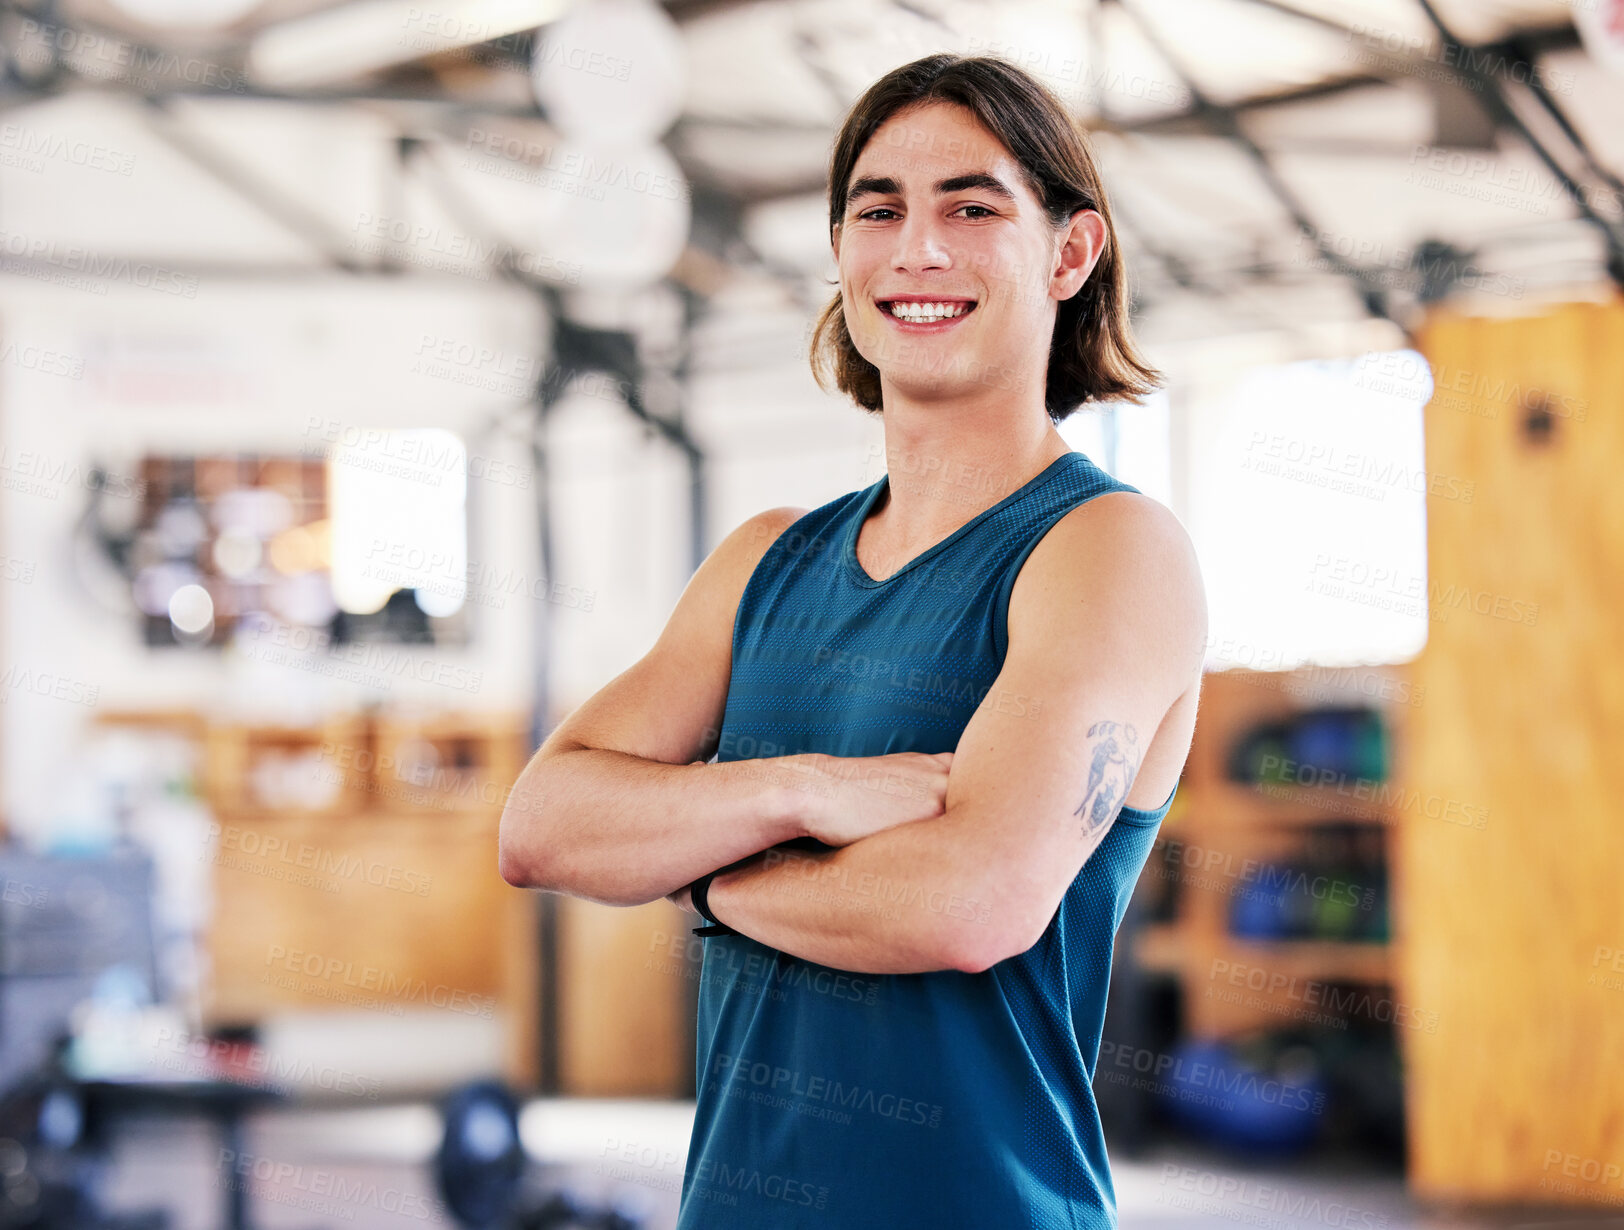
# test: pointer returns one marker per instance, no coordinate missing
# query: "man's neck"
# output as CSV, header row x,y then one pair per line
x,y
947,466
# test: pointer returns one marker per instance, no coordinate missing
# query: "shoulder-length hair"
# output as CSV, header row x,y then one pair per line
x,y
1092,356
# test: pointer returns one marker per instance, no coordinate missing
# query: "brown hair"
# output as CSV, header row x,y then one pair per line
x,y
1092,356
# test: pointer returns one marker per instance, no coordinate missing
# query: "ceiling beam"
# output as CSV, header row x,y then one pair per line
x,y
1225,121
1491,95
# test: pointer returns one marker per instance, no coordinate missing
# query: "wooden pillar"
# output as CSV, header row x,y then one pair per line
x,y
1511,841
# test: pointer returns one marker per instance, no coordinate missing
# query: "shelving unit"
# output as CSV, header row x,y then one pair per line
x,y
450,762
358,890
264,771
1220,833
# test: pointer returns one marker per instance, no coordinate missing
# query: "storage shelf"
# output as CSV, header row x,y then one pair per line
x,y
1227,828
1232,804
1163,949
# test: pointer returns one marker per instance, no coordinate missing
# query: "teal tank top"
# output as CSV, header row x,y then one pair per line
x,y
827,1098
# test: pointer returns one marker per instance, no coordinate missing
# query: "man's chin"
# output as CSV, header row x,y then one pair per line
x,y
967,380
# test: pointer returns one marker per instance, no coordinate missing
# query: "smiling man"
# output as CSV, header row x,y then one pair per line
x,y
947,712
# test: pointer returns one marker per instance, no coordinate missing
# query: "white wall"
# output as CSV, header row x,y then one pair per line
x,y
276,368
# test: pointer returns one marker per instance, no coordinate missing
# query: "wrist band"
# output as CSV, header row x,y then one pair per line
x,y
699,894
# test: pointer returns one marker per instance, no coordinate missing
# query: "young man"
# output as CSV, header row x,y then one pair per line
x,y
948,712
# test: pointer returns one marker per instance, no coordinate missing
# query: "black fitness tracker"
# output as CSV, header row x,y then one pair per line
x,y
698,893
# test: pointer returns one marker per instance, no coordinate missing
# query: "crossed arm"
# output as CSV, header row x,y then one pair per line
x,y
1107,626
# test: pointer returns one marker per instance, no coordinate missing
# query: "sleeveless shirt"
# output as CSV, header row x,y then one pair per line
x,y
828,1098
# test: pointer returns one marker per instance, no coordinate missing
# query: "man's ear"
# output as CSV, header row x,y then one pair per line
x,y
1081,246
834,241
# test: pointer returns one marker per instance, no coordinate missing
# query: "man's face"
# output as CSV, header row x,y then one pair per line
x,y
938,212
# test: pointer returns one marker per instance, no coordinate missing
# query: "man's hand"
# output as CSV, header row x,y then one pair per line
x,y
852,797
858,796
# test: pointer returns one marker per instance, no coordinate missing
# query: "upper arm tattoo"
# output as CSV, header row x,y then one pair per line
x,y
1113,762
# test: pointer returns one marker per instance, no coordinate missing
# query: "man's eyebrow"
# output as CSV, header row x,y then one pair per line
x,y
975,179
884,185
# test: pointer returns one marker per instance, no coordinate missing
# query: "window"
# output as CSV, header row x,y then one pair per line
x,y
1307,504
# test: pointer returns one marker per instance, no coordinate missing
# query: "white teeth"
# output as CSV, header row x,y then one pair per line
x,y
925,312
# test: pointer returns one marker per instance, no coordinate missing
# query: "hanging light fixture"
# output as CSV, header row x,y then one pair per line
x,y
612,70
611,76
187,14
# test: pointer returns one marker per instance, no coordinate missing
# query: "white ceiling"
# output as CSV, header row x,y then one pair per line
x,y
1210,245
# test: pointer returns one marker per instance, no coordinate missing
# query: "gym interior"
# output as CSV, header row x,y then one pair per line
x,y
375,375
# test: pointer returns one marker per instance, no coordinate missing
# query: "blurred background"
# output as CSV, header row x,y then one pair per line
x,y
373,376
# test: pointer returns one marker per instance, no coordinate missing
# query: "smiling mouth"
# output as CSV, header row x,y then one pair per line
x,y
926,313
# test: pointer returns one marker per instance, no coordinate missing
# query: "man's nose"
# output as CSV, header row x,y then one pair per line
x,y
921,244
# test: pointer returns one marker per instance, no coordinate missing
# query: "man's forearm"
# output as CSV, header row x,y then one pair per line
x,y
908,900
621,830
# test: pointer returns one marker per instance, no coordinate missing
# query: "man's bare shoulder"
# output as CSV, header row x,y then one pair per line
x,y
759,532
728,569
1117,529
1119,553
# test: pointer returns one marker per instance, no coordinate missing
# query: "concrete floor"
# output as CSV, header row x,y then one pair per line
x,y
367,1168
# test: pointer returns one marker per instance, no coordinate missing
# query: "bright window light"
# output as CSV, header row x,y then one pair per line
x,y
1307,506
399,520
1131,443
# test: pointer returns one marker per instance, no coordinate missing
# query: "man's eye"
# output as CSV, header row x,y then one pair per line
x,y
982,208
880,210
